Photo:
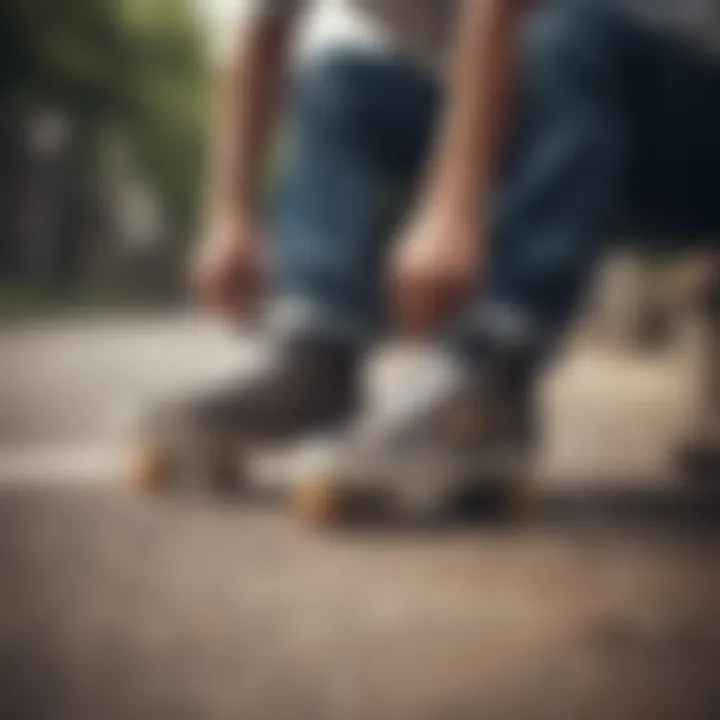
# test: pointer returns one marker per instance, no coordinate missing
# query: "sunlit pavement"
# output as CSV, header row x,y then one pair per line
x,y
118,607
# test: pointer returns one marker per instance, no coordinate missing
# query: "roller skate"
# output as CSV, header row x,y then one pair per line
x,y
201,443
454,432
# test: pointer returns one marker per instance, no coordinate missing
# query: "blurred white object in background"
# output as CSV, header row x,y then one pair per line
x,y
332,23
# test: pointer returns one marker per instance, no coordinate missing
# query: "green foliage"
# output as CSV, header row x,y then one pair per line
x,y
166,118
136,70
63,54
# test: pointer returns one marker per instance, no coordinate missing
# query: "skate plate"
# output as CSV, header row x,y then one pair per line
x,y
309,481
325,493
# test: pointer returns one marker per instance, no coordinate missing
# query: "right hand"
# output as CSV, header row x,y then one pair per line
x,y
228,269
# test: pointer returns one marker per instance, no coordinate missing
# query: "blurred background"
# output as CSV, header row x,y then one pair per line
x,y
116,608
104,122
107,107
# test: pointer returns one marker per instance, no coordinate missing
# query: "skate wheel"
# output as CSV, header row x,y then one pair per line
x,y
149,469
320,503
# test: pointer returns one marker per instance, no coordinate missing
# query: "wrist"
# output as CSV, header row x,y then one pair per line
x,y
227,205
231,189
451,212
454,202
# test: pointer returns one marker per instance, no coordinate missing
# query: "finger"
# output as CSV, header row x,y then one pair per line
x,y
424,306
415,305
215,288
450,294
247,291
206,289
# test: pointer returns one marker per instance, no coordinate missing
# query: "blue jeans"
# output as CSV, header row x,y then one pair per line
x,y
615,124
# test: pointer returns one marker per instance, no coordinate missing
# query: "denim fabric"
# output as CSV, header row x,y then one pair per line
x,y
613,122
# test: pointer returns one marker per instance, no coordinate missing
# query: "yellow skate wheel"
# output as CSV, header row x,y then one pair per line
x,y
319,503
149,468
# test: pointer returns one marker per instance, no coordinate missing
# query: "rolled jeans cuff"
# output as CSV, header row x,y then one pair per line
x,y
498,326
295,316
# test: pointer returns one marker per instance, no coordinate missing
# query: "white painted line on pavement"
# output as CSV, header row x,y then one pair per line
x,y
59,465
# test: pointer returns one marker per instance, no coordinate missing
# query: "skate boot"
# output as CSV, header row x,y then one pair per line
x,y
453,431
201,442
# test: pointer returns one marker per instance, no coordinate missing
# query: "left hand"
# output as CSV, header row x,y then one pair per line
x,y
435,268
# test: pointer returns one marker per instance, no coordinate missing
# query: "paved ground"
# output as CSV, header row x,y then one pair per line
x,y
603,606
113,608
